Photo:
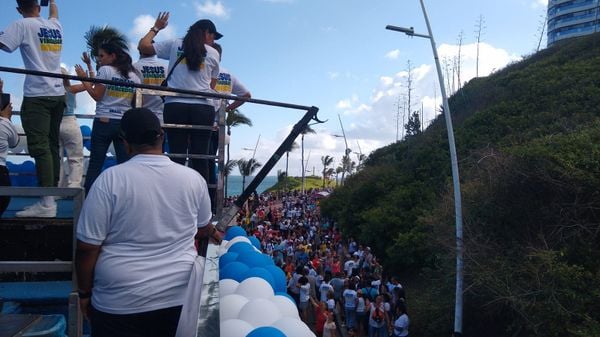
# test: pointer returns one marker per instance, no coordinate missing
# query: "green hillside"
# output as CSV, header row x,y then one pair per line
x,y
528,142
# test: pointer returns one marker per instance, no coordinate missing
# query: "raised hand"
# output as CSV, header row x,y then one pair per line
x,y
162,21
80,71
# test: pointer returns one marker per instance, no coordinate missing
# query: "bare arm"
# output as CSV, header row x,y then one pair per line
x,y
95,90
86,256
145,45
53,10
236,104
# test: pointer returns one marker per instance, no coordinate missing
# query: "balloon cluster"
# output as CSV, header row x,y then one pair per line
x,y
252,290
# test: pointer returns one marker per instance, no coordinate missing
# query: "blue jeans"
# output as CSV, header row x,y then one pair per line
x,y
350,317
103,133
378,332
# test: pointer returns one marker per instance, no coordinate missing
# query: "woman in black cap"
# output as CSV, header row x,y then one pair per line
x,y
193,65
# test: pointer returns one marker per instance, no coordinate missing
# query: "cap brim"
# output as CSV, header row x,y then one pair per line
x,y
218,35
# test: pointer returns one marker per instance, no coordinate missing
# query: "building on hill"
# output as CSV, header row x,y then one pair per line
x,y
572,18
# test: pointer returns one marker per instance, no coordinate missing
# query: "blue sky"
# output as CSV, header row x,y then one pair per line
x,y
333,54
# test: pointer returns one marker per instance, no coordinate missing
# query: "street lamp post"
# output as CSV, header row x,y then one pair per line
x,y
458,307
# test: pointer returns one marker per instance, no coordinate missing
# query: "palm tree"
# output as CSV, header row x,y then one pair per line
x,y
234,118
306,130
346,166
338,170
330,171
227,169
326,161
247,168
287,160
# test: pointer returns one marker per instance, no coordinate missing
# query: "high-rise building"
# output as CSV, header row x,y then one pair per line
x,y
571,18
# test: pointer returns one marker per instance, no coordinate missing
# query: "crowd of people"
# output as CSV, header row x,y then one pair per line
x,y
338,284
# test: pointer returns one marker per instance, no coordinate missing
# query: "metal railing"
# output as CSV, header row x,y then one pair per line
x,y
75,322
209,250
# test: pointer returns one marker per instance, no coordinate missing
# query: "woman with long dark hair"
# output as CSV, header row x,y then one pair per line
x,y
109,49
193,65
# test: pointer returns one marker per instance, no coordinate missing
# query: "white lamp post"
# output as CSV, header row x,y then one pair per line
x,y
458,308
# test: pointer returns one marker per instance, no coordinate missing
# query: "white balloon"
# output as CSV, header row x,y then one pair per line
x,y
286,307
230,306
260,312
255,287
292,327
227,286
236,240
235,328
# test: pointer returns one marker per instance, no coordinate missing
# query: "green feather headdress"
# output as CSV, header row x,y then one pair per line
x,y
97,36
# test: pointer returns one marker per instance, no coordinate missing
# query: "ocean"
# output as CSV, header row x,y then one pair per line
x,y
234,184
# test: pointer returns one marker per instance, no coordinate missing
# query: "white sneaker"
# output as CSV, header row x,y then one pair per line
x,y
37,210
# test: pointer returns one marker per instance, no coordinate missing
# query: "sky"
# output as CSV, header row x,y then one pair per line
x,y
332,54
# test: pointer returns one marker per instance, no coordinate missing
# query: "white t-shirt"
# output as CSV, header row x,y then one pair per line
x,y
40,43
9,137
349,267
381,308
182,77
117,98
331,304
144,213
324,289
227,83
401,326
153,72
328,328
349,298
304,292
361,306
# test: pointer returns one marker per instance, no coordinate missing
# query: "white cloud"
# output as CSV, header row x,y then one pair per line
x,y
539,4
344,104
143,23
376,120
280,1
210,8
394,54
386,80
333,75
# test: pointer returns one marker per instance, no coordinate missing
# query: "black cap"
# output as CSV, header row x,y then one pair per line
x,y
140,126
209,26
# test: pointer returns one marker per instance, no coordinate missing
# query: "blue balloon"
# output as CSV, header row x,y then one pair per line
x,y
234,271
266,331
86,132
262,273
255,242
251,259
268,260
280,281
227,258
241,248
233,232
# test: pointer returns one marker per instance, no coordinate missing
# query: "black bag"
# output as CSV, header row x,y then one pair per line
x,y
165,82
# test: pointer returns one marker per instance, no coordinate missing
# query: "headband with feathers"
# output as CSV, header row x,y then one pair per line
x,y
97,36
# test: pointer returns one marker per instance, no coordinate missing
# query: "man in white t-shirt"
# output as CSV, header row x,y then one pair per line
x,y
154,72
135,237
40,43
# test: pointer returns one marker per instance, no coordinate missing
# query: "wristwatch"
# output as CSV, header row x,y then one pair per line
x,y
84,294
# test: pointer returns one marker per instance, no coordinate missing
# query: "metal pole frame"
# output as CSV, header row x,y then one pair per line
x,y
458,305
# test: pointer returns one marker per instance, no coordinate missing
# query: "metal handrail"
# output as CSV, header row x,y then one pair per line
x,y
75,322
224,219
